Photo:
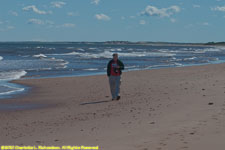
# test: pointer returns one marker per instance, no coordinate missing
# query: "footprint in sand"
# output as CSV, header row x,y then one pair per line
x,y
185,147
39,142
210,103
163,144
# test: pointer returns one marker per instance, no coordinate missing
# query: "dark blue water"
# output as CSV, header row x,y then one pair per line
x,y
43,60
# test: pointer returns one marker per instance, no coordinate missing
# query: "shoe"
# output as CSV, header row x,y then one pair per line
x,y
118,97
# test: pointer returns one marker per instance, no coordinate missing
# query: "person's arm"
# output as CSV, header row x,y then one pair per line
x,y
108,68
121,65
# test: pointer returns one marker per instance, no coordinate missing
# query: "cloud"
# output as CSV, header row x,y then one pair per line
x,y
40,22
205,24
160,12
68,25
7,28
196,6
10,27
58,4
142,22
14,13
197,24
173,20
36,10
102,17
218,8
50,23
96,2
73,14
189,26
123,18
35,21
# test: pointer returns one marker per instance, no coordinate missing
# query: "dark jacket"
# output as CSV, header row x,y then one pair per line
x,y
109,66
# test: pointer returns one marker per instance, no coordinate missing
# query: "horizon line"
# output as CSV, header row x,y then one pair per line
x,y
112,41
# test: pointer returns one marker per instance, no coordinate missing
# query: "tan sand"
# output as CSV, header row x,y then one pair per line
x,y
165,109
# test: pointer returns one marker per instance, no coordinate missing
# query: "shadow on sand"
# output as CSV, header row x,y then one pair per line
x,y
97,102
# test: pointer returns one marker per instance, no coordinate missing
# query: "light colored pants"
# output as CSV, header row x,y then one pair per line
x,y
114,82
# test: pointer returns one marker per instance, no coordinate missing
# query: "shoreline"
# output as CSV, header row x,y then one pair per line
x,y
169,108
27,88
30,88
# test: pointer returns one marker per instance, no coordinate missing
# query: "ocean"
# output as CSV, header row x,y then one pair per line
x,y
60,59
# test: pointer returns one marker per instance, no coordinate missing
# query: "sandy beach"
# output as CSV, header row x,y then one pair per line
x,y
163,109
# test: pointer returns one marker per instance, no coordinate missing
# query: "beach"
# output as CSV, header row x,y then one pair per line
x,y
160,109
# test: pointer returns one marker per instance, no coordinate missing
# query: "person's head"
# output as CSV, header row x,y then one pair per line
x,y
115,56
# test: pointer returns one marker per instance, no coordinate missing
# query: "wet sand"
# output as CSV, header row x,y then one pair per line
x,y
173,108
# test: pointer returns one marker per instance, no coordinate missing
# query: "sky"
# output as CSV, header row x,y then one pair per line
x,y
113,20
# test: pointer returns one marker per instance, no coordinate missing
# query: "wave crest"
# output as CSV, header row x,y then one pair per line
x,y
12,75
108,54
39,56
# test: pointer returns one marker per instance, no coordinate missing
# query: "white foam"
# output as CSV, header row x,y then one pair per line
x,y
164,50
157,66
174,58
212,50
1,58
143,54
39,47
39,56
12,90
178,64
199,51
192,58
70,48
80,49
168,65
12,75
92,48
220,47
117,49
91,69
105,54
131,67
108,54
64,63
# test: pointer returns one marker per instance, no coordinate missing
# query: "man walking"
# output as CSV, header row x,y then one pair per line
x,y
114,72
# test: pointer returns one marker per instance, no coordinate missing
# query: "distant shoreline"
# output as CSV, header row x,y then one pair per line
x,y
123,43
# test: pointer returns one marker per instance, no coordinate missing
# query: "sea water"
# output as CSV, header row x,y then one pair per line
x,y
59,59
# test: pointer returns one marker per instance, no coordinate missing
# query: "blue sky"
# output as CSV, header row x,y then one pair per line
x,y
105,20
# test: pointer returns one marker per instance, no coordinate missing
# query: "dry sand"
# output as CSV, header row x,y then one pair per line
x,y
165,109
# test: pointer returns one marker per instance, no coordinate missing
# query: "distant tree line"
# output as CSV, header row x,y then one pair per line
x,y
216,43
